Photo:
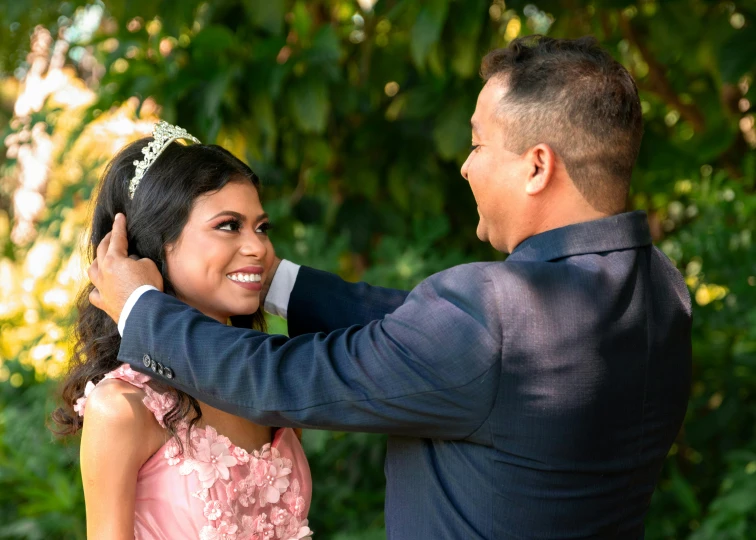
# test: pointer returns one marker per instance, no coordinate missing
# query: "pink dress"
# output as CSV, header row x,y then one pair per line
x,y
219,491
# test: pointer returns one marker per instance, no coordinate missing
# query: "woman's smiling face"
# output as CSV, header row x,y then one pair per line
x,y
220,260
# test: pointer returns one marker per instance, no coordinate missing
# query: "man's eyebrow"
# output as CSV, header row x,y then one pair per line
x,y
238,216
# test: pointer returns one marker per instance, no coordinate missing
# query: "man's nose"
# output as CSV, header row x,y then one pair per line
x,y
463,170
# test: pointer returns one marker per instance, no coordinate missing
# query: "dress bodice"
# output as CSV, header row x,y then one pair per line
x,y
217,490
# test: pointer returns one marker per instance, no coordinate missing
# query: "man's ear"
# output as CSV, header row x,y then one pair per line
x,y
542,161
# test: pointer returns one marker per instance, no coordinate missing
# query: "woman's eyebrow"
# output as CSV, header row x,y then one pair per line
x,y
237,215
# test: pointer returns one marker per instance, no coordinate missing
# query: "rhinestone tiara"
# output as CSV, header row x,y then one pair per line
x,y
163,134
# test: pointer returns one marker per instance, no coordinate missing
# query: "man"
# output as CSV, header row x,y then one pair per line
x,y
531,398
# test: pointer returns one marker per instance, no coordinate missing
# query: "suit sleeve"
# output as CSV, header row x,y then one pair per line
x,y
323,302
429,369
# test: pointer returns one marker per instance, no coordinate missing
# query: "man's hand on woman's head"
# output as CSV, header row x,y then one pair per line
x,y
115,275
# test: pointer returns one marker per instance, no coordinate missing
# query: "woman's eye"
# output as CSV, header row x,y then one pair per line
x,y
232,225
263,228
474,147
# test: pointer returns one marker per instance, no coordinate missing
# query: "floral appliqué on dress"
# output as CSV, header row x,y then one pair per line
x,y
246,496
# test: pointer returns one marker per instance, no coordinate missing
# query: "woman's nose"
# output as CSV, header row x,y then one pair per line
x,y
255,246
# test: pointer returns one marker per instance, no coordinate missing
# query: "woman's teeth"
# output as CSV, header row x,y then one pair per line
x,y
245,278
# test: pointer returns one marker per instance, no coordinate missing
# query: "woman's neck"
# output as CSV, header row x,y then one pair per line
x,y
221,318
242,432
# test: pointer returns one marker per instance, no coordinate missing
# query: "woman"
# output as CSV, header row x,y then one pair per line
x,y
155,462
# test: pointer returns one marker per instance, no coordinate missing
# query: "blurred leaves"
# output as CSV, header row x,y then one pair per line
x,y
427,29
737,56
266,15
40,485
309,104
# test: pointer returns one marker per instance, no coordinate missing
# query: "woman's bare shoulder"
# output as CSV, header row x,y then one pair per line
x,y
115,411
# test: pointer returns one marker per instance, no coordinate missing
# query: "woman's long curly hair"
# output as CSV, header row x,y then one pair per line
x,y
155,217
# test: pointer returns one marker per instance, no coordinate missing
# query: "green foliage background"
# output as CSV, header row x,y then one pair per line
x,y
357,120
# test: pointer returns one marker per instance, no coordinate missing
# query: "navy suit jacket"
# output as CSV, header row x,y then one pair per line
x,y
531,398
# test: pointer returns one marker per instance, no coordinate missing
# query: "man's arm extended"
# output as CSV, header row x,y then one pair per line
x,y
323,302
314,301
429,369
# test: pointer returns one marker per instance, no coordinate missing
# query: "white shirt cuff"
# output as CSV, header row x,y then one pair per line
x,y
277,301
129,305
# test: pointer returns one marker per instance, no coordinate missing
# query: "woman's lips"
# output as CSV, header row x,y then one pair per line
x,y
249,277
249,285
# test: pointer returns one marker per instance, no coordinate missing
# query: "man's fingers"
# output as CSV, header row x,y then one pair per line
x,y
96,300
119,244
94,272
102,248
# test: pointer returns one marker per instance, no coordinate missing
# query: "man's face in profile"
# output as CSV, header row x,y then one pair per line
x,y
495,174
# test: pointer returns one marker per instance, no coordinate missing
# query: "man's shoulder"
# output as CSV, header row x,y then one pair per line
x,y
479,268
491,273
674,279
469,274
488,282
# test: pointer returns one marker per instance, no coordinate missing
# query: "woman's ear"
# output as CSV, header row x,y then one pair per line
x,y
542,160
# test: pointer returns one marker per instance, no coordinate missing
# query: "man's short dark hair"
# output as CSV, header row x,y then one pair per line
x,y
572,95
